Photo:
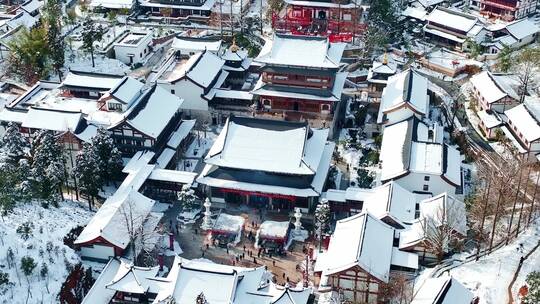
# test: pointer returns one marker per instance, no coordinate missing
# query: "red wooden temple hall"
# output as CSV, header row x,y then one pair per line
x,y
340,20
267,163
300,75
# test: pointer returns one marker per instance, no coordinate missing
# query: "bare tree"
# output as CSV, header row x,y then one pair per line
x,y
142,229
399,289
525,66
442,227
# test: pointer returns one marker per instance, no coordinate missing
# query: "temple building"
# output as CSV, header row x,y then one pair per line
x,y
338,20
269,163
507,10
300,77
195,10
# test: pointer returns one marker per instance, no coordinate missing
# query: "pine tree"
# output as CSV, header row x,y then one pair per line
x,y
27,266
505,59
322,219
13,143
91,32
187,198
108,156
53,23
29,56
533,282
86,171
47,167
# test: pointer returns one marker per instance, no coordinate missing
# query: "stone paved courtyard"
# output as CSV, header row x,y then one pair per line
x,y
196,244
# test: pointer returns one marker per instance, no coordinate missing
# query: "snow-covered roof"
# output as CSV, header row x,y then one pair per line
x,y
404,259
390,67
158,103
426,158
233,94
181,133
268,145
9,115
137,161
112,4
442,209
132,279
187,279
524,121
490,120
494,87
523,28
189,44
428,3
23,19
228,223
452,19
134,39
261,88
99,294
52,120
361,240
408,146
202,68
273,229
87,133
109,221
395,148
415,12
91,80
175,176
445,209
165,158
127,90
443,290
406,89
227,284
206,6
301,52
392,200
31,6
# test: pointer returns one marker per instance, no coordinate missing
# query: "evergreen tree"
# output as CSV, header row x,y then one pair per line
x,y
4,278
383,25
13,143
187,198
53,23
505,59
533,282
108,156
9,191
87,171
27,266
47,163
322,219
44,271
91,32
29,55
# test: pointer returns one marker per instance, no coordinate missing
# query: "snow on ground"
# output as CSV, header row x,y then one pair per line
x,y
83,62
529,265
49,225
168,252
489,277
